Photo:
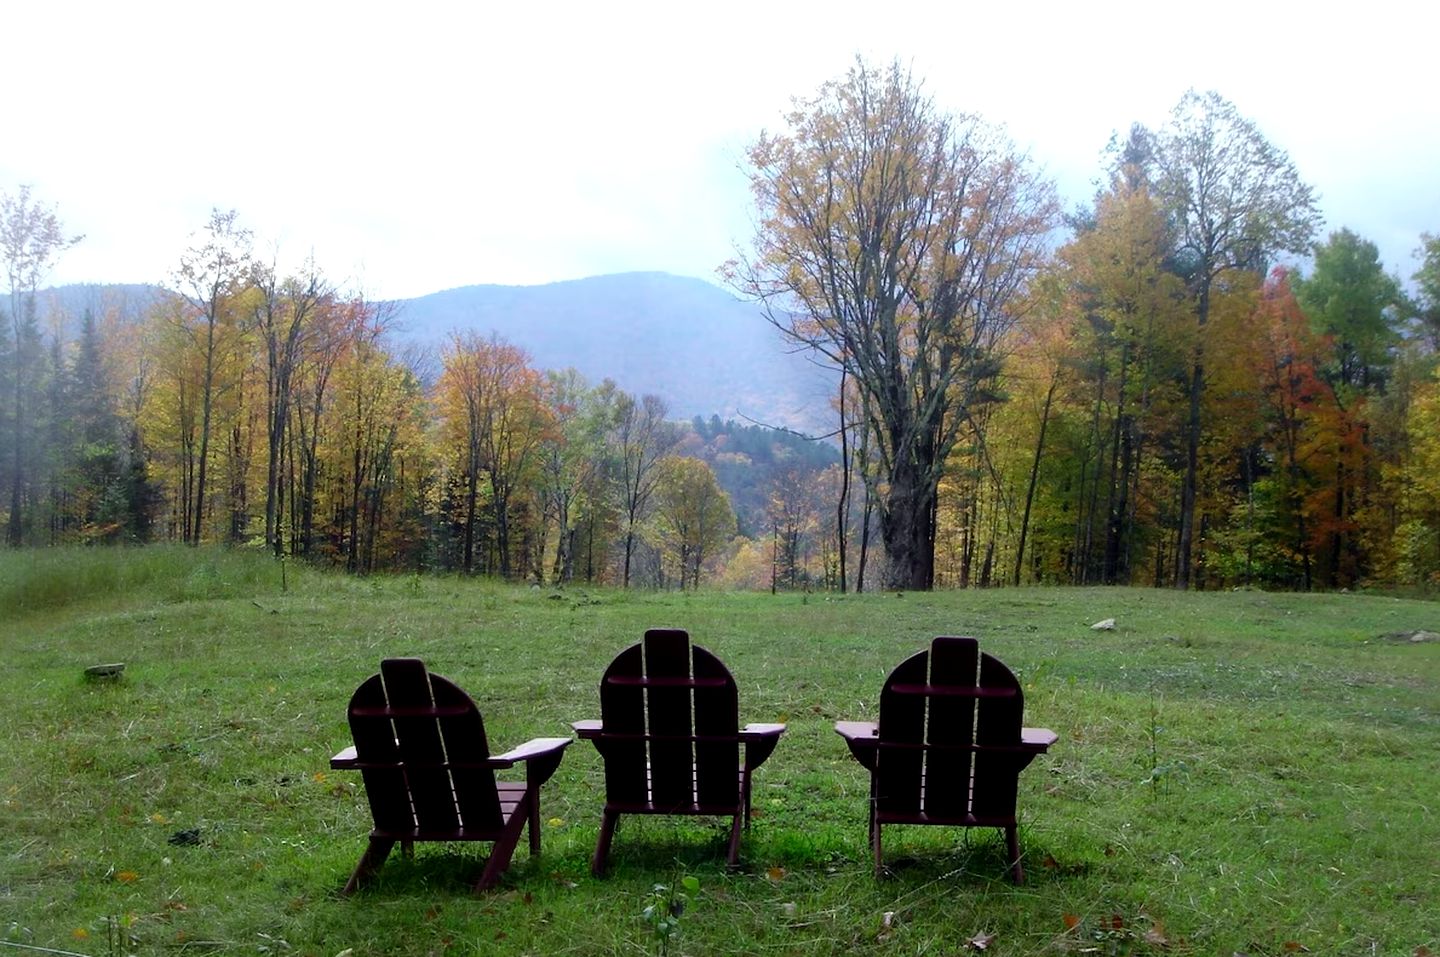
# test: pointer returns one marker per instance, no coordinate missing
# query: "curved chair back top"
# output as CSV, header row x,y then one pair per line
x,y
949,734
670,713
421,745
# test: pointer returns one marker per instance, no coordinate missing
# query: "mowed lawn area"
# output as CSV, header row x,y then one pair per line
x,y
1237,772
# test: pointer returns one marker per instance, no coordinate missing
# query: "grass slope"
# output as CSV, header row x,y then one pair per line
x,y
1237,772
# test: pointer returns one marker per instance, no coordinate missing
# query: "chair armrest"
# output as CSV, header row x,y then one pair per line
x,y
590,728
858,731
541,756
345,759
759,741
1038,738
863,739
534,748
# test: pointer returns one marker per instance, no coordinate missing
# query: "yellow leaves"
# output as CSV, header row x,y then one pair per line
x,y
126,877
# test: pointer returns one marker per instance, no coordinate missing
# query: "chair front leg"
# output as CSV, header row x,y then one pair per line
x,y
533,801
375,854
501,853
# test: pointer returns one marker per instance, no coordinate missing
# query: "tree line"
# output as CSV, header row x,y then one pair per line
x,y
247,406
1149,399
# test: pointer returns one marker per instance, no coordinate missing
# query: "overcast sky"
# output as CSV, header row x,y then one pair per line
x,y
416,147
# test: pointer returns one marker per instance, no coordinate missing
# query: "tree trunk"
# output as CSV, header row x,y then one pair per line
x,y
904,529
1034,475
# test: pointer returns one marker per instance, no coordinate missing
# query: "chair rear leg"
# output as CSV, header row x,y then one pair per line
x,y
602,846
1012,842
370,861
732,852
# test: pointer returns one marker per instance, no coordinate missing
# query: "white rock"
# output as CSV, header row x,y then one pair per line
x,y
1107,625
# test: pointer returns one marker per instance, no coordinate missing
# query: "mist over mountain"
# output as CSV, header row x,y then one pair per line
x,y
693,344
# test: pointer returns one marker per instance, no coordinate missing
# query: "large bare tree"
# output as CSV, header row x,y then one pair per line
x,y
893,240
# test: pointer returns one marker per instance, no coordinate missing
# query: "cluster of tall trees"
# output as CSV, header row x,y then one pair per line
x,y
1153,402
1149,399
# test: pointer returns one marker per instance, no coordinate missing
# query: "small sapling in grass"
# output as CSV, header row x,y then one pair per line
x,y
665,904
1160,772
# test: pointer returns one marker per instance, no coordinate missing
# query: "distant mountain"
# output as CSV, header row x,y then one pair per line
x,y
691,343
70,303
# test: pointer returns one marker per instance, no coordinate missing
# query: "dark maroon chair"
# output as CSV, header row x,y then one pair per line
x,y
948,748
670,738
420,748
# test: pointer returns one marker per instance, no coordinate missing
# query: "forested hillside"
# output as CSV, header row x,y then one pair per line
x,y
1186,381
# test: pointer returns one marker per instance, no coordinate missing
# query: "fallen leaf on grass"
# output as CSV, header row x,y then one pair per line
x,y
1072,921
81,933
1423,951
1155,936
980,941
127,877
775,874
1294,947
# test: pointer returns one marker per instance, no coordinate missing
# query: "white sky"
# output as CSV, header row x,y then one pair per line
x,y
416,147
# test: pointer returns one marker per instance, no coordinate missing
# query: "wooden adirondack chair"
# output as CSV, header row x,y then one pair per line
x,y
670,738
420,748
948,748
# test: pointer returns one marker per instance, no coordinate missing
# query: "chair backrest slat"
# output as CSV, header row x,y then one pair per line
x,y
717,715
951,721
622,711
902,719
668,712
998,719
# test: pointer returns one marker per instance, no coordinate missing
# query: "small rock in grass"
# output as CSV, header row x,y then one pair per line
x,y
113,670
1413,637
1107,625
186,838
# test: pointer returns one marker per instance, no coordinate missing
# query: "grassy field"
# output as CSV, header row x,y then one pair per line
x,y
1236,773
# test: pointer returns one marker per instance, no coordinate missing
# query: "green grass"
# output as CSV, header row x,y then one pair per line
x,y
1236,772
